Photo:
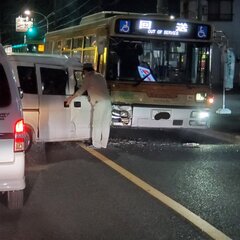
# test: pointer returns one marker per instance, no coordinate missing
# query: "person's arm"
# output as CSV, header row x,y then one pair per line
x,y
79,92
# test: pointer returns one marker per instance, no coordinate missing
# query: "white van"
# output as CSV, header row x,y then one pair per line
x,y
12,156
46,81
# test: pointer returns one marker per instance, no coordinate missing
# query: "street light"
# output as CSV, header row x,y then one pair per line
x,y
28,13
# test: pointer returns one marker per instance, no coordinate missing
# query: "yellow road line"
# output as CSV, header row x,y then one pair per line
x,y
184,212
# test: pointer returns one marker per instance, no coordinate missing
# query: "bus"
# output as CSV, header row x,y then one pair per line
x,y
158,69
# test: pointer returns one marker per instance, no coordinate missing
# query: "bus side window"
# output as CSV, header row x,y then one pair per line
x,y
27,79
53,81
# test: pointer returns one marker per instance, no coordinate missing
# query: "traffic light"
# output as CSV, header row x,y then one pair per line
x,y
32,34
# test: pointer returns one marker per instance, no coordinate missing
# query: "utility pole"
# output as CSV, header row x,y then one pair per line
x,y
199,10
55,15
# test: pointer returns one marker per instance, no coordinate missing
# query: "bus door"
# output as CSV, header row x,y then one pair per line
x,y
56,121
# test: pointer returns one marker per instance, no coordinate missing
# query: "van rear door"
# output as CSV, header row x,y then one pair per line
x,y
9,113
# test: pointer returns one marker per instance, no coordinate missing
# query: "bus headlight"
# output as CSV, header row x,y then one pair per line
x,y
121,115
200,114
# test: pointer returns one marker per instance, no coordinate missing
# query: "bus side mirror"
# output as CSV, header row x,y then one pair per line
x,y
101,44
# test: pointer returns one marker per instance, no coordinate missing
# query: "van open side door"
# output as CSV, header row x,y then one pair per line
x,y
57,121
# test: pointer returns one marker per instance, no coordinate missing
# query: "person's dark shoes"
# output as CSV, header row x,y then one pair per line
x,y
88,142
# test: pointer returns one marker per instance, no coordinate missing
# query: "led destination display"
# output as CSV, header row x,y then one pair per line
x,y
163,28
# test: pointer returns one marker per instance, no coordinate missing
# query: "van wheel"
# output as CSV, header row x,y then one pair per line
x,y
28,139
15,199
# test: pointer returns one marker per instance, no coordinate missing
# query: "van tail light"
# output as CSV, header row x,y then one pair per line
x,y
19,136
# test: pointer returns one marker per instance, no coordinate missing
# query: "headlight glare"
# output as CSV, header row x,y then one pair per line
x,y
200,114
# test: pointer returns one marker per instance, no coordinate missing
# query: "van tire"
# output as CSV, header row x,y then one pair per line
x,y
28,139
15,199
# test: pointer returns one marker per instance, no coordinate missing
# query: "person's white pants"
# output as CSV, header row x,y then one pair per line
x,y
101,121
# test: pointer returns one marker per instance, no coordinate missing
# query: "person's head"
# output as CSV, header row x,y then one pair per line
x,y
87,67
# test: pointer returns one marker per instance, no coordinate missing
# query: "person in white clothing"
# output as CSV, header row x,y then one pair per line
x,y
96,86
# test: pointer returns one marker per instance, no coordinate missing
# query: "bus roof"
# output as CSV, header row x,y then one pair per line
x,y
105,18
108,14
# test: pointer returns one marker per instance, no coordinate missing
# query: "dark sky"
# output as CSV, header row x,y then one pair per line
x,y
67,12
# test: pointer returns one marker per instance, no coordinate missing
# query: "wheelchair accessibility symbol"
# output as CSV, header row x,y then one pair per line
x,y
124,26
202,31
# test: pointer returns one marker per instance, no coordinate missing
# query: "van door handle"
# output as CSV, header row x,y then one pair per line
x,y
77,104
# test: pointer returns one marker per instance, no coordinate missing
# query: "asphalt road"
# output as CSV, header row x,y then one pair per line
x,y
72,194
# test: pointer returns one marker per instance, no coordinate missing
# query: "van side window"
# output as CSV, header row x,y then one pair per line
x,y
5,96
27,79
53,81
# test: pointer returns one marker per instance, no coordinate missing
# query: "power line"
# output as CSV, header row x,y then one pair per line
x,y
93,9
67,5
58,10
59,19
75,10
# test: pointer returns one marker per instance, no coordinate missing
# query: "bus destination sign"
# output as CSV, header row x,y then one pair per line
x,y
163,28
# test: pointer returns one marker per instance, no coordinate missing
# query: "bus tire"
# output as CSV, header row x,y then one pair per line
x,y
15,199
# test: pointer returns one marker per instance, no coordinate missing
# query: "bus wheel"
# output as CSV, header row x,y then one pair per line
x,y
15,199
28,139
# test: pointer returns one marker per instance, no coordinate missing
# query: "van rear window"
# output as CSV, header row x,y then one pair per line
x,y
5,95
27,79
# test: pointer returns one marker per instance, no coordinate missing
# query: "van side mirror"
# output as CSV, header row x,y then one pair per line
x,y
20,92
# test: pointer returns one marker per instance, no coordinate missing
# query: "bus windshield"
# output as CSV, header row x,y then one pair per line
x,y
158,61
